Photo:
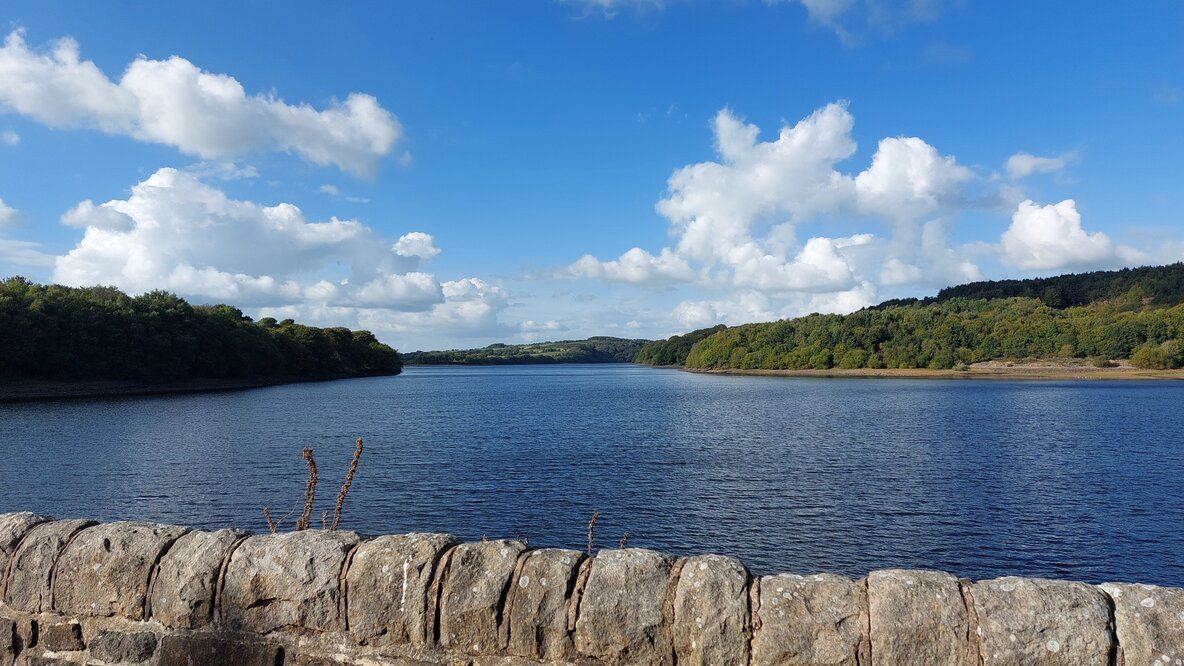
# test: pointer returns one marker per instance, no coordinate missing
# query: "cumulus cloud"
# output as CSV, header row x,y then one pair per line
x,y
10,138
7,214
1022,165
416,244
173,102
734,221
178,233
1051,237
635,267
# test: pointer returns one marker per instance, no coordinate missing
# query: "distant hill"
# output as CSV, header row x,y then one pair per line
x,y
51,332
1132,313
599,349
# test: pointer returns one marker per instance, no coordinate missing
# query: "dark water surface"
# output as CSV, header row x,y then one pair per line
x,y
1080,480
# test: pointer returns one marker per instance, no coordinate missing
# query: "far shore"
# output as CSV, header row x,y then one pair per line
x,y
31,390
1053,369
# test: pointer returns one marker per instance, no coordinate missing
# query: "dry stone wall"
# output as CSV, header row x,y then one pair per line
x,y
77,592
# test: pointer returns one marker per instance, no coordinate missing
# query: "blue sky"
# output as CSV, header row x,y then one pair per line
x,y
451,174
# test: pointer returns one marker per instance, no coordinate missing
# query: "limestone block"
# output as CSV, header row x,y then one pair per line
x,y
711,611
183,592
537,605
117,647
1149,621
389,578
104,570
61,637
213,650
14,526
806,620
620,615
475,584
29,577
286,580
1037,621
917,617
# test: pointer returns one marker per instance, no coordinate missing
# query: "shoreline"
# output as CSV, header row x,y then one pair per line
x,y
37,390
1033,372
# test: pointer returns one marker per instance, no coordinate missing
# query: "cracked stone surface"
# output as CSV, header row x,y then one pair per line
x,y
183,594
389,579
104,570
29,578
620,617
283,580
537,613
477,580
917,617
1038,621
1149,621
807,620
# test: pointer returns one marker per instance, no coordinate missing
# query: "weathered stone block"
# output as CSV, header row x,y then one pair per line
x,y
117,647
475,586
711,611
213,650
13,527
806,620
62,637
104,570
182,596
9,643
1037,621
917,617
29,578
536,612
1149,621
286,580
388,580
620,616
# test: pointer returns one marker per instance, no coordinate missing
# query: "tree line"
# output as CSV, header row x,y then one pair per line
x,y
1135,314
597,349
57,332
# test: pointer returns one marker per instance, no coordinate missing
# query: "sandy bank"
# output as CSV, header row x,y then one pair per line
x,y
1043,369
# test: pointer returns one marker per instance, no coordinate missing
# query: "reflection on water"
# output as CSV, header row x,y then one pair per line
x,y
980,478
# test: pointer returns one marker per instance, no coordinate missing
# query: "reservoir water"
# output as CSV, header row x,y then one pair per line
x,y
1081,480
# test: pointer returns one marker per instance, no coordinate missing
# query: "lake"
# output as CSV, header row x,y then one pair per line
x,y
1078,480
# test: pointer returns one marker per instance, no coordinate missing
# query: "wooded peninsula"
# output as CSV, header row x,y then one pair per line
x,y
61,333
1103,316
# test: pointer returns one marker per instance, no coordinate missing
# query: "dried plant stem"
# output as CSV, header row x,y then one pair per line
x,y
310,491
592,532
270,522
349,479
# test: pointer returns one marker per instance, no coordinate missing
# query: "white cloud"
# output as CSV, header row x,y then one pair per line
x,y
1022,165
909,179
1051,237
635,266
734,220
9,138
175,232
331,190
175,103
416,244
852,19
7,214
223,170
23,253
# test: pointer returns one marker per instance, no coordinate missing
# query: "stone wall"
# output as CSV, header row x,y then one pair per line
x,y
78,592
